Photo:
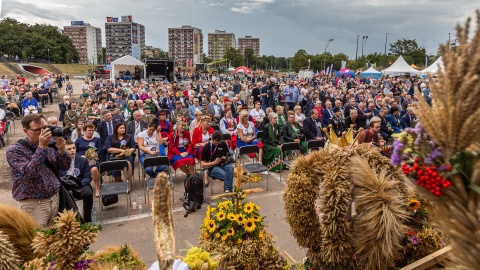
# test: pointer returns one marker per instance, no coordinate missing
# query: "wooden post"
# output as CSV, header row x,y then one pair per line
x,y
239,184
430,260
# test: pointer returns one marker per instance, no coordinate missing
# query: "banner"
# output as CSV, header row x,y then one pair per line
x,y
115,20
109,19
76,23
126,18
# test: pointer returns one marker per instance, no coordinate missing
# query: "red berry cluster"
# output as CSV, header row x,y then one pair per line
x,y
427,176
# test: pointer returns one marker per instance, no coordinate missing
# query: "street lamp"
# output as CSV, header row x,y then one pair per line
x,y
308,64
356,53
364,41
325,52
48,54
386,36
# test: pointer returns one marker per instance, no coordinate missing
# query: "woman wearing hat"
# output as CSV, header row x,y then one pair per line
x,y
180,149
228,125
201,135
128,113
272,139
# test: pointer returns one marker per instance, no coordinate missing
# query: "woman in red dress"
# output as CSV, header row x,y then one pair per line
x,y
180,148
201,136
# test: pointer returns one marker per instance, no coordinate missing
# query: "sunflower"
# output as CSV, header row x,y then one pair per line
x,y
260,234
211,226
249,207
257,218
240,218
249,225
231,216
224,237
414,204
231,231
217,235
221,216
239,241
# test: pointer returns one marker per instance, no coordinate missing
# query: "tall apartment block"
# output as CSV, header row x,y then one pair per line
x,y
218,44
185,45
86,39
249,42
124,37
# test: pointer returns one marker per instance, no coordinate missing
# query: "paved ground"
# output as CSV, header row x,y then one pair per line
x,y
136,229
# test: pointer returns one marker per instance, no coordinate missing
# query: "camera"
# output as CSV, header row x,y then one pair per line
x,y
59,131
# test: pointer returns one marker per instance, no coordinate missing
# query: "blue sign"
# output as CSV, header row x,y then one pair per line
x,y
107,67
76,23
115,19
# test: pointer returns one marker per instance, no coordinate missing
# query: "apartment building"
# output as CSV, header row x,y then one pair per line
x,y
124,37
185,45
218,44
249,42
86,39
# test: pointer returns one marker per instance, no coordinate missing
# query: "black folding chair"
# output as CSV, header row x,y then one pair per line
x,y
292,146
254,167
260,135
150,182
227,138
114,188
315,145
215,127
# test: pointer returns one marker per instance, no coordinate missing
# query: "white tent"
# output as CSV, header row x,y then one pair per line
x,y
400,68
371,73
433,68
123,64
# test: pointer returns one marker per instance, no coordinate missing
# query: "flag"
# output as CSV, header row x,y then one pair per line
x,y
328,70
331,68
344,64
375,64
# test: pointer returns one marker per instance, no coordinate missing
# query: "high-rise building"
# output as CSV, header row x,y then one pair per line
x,y
218,44
185,45
249,42
86,39
124,37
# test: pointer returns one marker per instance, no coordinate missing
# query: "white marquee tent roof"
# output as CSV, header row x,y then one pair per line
x,y
125,63
433,68
400,68
371,72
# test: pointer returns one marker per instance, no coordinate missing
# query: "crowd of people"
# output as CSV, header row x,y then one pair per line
x,y
188,122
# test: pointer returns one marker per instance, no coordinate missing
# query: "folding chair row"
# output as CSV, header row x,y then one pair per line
x,y
149,183
109,189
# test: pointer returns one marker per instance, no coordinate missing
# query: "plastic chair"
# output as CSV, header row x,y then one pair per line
x,y
292,146
254,167
315,145
150,182
114,188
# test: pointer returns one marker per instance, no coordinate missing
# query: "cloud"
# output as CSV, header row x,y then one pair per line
x,y
251,6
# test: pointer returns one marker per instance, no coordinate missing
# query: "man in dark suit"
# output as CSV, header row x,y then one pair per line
x,y
408,120
337,122
79,169
136,126
385,129
327,113
237,87
65,106
312,127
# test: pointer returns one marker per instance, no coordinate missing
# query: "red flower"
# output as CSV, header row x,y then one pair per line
x,y
411,232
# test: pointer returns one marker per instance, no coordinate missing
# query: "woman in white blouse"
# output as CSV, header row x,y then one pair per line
x,y
247,134
257,113
299,116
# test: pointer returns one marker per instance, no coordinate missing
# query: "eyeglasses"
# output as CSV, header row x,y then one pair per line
x,y
36,129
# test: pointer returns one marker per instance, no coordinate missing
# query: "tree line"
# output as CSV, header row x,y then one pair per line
x,y
35,41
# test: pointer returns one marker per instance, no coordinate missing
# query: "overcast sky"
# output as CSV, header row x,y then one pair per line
x,y
282,26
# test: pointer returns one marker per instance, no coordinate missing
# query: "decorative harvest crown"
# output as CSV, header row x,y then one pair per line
x,y
347,138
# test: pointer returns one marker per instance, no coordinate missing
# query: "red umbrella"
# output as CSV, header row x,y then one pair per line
x,y
242,69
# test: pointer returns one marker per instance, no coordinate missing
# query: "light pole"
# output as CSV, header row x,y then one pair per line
x,y
386,36
449,46
48,54
309,64
364,41
325,52
356,53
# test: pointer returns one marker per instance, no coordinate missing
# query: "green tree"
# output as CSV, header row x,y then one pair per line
x,y
248,55
234,57
410,50
300,60
206,59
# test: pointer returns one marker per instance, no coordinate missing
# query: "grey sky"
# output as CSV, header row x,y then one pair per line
x,y
282,26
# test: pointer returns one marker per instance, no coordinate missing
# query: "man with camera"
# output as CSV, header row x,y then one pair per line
x,y
79,170
34,164
215,158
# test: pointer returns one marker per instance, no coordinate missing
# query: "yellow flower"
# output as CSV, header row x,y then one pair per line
x,y
257,207
217,235
211,226
221,216
231,216
260,234
239,241
205,235
414,204
407,150
249,225
257,218
240,218
231,231
224,237
249,207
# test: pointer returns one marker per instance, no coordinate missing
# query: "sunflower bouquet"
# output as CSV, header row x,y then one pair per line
x,y
225,224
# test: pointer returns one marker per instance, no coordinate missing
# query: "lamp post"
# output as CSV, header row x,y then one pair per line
x,y
356,54
325,52
48,54
364,41
449,45
309,64
386,36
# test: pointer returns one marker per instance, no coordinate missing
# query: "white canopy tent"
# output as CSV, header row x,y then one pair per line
x,y
400,68
433,68
371,72
125,63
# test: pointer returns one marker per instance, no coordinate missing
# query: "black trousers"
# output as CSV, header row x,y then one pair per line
x,y
87,196
51,97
